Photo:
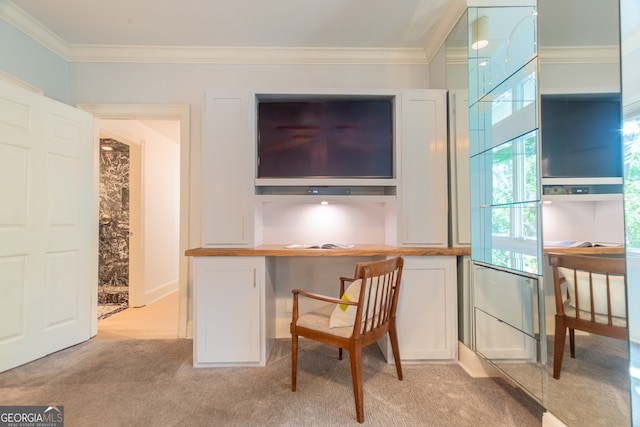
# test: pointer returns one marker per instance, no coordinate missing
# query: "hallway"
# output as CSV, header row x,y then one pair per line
x,y
155,321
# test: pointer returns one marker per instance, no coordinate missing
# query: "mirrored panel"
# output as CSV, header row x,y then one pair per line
x,y
508,111
501,41
630,47
507,331
505,198
503,138
579,68
505,205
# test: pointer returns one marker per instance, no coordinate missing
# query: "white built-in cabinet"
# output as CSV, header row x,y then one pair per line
x,y
417,197
423,196
235,313
234,297
227,170
233,316
427,316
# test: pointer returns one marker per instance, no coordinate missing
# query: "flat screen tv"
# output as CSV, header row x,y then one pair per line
x,y
581,136
350,138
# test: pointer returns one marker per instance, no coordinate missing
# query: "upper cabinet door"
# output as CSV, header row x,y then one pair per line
x,y
227,169
424,202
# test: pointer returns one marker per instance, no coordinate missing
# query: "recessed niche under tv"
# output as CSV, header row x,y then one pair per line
x,y
325,138
581,136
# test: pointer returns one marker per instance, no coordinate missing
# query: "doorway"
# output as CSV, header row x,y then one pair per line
x,y
109,123
113,227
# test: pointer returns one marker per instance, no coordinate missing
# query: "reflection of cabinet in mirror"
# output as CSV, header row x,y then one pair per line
x,y
507,301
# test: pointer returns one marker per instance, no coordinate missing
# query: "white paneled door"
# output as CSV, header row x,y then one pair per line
x,y
48,226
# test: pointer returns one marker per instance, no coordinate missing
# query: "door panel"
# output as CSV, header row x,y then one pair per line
x,y
48,224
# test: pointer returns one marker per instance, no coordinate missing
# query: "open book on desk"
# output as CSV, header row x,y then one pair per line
x,y
579,244
322,246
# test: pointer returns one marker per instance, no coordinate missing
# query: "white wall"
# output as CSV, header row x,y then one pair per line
x,y
32,63
439,72
313,223
579,78
161,195
600,221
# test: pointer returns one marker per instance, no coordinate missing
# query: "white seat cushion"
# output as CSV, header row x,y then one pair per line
x,y
318,320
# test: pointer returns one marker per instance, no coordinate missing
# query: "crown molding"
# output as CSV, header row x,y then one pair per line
x,y
580,55
33,28
555,55
245,55
441,30
457,55
205,55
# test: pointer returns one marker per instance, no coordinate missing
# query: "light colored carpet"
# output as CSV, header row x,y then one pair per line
x,y
153,383
593,389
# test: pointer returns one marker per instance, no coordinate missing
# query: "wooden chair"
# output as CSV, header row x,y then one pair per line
x,y
595,300
372,310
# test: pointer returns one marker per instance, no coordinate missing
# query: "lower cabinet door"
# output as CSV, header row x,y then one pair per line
x,y
227,295
427,310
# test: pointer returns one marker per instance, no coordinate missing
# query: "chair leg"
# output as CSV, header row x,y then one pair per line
x,y
393,337
572,342
558,346
340,353
355,356
294,360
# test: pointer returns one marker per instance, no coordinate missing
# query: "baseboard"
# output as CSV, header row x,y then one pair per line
x,y
550,420
473,364
189,334
160,292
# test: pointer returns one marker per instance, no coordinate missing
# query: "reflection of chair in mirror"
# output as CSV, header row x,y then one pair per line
x,y
595,300
365,312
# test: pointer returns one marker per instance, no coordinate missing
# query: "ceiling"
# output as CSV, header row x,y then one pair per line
x,y
266,24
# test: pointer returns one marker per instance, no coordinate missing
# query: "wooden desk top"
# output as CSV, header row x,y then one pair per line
x,y
596,250
378,250
358,250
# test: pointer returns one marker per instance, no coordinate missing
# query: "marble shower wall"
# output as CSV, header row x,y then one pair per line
x,y
113,264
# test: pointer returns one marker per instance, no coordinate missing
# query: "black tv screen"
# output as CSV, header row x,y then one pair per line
x,y
581,136
325,138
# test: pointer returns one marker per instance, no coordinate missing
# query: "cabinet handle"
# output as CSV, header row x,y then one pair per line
x,y
254,278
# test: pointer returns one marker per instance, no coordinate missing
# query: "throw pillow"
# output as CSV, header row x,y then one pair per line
x,y
343,314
